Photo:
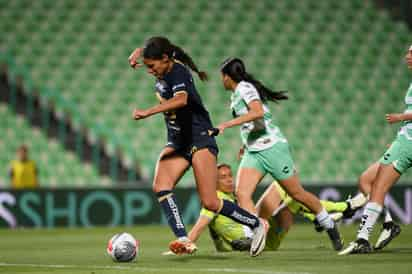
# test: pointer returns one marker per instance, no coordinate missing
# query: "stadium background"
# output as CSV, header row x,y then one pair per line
x,y
67,90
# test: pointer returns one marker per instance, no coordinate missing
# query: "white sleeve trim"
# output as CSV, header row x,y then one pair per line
x,y
248,92
179,86
178,92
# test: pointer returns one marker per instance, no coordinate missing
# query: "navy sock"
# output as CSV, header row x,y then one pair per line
x,y
168,203
238,214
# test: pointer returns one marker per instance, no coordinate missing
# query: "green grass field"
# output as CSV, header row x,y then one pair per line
x,y
83,251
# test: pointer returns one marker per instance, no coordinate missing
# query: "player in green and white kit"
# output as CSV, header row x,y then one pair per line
x,y
266,148
394,162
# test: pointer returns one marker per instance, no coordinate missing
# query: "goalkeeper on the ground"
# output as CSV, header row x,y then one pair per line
x,y
274,205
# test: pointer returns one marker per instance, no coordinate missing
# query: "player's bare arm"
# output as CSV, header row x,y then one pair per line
x,y
178,101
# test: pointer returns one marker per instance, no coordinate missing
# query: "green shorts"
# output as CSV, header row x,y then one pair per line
x,y
399,154
277,161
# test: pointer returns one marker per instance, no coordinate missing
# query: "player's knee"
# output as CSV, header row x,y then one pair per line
x,y
365,182
211,204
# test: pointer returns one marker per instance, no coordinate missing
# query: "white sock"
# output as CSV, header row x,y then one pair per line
x,y
388,217
369,217
324,219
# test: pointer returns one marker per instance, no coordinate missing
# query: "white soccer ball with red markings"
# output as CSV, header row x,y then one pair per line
x,y
123,247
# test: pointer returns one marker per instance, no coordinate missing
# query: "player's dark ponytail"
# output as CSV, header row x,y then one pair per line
x,y
235,68
156,46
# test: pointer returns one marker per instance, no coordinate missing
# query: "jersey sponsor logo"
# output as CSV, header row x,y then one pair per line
x,y
242,218
286,170
181,85
161,86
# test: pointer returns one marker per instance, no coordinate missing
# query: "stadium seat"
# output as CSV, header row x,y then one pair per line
x,y
340,60
57,167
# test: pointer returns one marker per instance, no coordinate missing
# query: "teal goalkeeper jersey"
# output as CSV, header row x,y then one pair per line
x,y
406,129
259,134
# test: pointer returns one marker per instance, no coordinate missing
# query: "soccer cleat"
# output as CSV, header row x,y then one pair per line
x,y
259,238
335,237
168,253
360,246
318,227
357,202
349,211
389,231
180,247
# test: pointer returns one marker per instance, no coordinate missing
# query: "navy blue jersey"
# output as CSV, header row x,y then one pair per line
x,y
190,123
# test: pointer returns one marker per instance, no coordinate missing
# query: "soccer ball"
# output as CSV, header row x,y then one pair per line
x,y
123,247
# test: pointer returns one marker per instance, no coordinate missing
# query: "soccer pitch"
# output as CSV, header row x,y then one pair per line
x,y
84,251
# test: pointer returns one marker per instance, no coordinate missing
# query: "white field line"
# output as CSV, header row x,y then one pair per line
x,y
149,269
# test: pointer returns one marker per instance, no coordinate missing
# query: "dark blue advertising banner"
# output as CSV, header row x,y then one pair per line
x,y
111,207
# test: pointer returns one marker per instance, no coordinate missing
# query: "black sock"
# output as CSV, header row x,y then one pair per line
x,y
239,215
168,203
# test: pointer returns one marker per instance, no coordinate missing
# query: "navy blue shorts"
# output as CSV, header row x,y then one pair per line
x,y
187,151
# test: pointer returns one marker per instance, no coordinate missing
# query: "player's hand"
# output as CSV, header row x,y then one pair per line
x,y
133,58
222,128
139,114
394,117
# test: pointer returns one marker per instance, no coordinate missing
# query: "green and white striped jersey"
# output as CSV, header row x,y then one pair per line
x,y
256,135
406,128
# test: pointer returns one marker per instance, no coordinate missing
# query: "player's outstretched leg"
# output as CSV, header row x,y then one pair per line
x,y
259,226
298,193
170,168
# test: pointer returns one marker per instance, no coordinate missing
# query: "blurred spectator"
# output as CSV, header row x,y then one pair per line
x,y
23,171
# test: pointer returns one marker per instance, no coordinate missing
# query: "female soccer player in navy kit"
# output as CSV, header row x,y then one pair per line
x,y
189,142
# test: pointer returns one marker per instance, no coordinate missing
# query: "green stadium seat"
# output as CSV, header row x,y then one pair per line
x,y
338,59
51,158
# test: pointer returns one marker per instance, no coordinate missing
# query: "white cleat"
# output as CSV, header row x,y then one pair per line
x,y
349,249
358,201
389,232
360,246
259,238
